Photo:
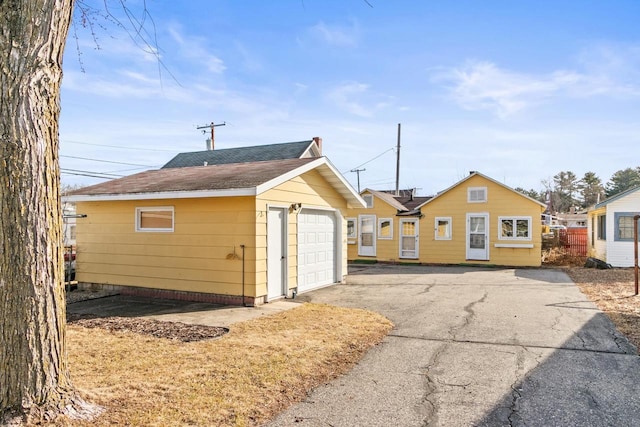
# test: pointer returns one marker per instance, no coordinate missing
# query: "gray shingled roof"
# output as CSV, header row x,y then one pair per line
x,y
404,202
197,178
258,153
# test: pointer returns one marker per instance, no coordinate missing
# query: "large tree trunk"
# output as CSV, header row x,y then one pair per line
x,y
34,376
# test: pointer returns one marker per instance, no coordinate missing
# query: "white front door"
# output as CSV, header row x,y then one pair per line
x,y
478,237
367,237
276,255
409,243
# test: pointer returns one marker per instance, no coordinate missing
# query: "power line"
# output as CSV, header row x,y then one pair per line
x,y
107,161
371,160
115,146
85,174
125,170
77,171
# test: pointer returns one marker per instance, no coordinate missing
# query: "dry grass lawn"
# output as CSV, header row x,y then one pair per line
x,y
613,292
241,379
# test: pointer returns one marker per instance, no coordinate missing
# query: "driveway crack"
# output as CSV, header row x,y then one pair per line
x,y
517,387
468,318
429,406
556,320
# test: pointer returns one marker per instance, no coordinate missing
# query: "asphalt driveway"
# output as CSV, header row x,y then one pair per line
x,y
487,347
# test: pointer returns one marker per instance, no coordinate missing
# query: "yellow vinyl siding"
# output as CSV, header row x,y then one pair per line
x,y
386,249
197,256
501,202
596,248
312,191
453,204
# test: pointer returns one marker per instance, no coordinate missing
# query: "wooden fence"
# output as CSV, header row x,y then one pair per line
x,y
573,240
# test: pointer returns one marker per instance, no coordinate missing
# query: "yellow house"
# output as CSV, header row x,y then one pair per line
x,y
476,221
241,233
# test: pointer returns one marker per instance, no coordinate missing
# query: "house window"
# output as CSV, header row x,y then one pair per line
x,y
385,228
368,198
352,230
158,218
624,226
514,228
476,194
443,228
602,227
72,232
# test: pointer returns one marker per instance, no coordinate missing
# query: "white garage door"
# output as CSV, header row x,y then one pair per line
x,y
316,249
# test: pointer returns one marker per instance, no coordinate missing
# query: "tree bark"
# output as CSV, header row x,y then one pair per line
x,y
34,375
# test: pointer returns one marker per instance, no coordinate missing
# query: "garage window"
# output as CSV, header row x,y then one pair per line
x,y
155,219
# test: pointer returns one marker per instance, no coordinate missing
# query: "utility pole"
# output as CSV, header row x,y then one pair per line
x,y
398,165
357,171
211,126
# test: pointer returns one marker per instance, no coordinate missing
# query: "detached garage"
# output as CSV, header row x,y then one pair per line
x,y
243,233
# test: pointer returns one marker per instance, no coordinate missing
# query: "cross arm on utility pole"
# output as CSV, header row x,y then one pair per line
x,y
211,126
357,171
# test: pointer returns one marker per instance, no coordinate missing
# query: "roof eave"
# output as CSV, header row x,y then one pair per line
x,y
616,197
229,192
328,171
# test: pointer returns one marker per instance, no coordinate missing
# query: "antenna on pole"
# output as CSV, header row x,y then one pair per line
x,y
357,171
211,126
398,165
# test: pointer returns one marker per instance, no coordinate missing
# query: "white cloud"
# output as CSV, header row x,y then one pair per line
x,y
482,85
335,35
194,49
343,96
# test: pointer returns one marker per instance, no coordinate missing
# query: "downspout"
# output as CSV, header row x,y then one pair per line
x,y
295,292
635,250
398,164
243,303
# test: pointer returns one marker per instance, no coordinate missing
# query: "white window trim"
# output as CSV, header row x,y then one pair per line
x,y
367,196
472,189
380,236
515,218
139,210
443,218
352,239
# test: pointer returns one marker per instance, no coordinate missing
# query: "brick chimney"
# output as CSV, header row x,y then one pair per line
x,y
318,142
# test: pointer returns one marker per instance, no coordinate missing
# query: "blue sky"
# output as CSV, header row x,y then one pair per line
x,y
518,90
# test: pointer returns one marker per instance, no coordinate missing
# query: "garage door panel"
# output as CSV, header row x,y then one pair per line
x,y
316,249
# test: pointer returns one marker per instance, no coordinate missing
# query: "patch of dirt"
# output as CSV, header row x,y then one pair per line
x,y
168,330
612,290
558,257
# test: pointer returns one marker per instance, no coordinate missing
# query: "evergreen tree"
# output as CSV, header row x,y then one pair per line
x,y
623,180
531,193
565,191
591,189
